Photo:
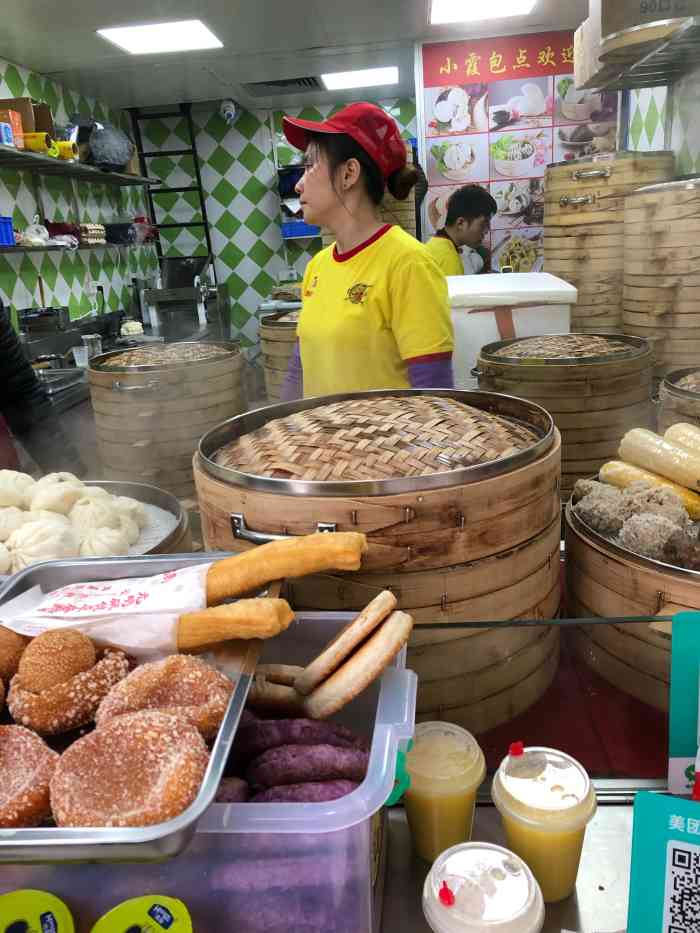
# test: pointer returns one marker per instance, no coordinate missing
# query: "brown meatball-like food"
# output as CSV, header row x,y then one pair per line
x,y
54,657
602,509
657,537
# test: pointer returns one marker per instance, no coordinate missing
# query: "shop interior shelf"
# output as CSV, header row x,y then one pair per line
x,y
65,249
666,63
22,160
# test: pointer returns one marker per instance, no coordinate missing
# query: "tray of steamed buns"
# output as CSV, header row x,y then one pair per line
x,y
59,516
106,756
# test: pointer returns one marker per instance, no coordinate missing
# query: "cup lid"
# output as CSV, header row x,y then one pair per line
x,y
476,886
444,751
543,783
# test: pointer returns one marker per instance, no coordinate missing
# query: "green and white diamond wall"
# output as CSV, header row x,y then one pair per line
x,y
65,274
239,177
649,117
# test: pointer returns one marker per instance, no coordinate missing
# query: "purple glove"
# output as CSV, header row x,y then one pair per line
x,y
431,372
293,385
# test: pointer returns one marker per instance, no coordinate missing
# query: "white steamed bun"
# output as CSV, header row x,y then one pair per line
x,y
87,514
5,559
41,540
11,518
104,542
55,497
14,487
133,508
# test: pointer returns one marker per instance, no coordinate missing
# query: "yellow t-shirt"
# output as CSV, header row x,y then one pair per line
x,y
445,255
368,311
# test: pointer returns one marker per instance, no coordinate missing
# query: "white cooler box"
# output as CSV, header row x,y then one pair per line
x,y
488,308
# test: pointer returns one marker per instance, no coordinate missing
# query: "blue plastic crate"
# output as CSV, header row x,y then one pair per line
x,y
7,233
294,229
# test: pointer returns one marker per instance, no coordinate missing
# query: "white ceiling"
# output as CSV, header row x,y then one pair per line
x,y
263,40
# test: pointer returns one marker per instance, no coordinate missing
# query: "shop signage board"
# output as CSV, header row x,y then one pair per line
x,y
496,112
664,892
684,721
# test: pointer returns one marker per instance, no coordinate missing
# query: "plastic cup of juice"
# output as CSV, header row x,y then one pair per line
x,y
477,887
546,800
446,767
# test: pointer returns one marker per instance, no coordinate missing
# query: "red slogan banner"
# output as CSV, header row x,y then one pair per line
x,y
502,59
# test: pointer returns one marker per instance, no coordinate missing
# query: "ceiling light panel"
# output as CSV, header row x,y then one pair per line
x,y
470,11
185,36
366,77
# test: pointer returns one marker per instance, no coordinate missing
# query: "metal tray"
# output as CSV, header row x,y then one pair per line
x,y
577,524
637,346
685,184
101,363
147,843
520,410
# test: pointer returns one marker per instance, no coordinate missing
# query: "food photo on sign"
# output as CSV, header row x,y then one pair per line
x,y
520,154
520,251
520,203
520,104
456,109
458,159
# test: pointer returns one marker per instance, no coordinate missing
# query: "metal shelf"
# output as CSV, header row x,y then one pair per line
x,y
66,249
21,160
670,59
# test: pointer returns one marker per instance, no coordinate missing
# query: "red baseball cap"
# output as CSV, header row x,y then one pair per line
x,y
370,127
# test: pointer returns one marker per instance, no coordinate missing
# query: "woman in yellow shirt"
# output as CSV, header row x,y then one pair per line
x,y
375,312
469,213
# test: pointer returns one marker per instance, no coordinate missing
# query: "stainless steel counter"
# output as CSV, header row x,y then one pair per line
x,y
598,906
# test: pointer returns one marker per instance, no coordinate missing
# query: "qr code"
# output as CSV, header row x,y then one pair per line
x,y
682,896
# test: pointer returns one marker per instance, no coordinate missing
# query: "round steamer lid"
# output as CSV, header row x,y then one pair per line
x,y
37,910
684,382
477,887
565,349
463,759
162,356
377,443
543,785
684,184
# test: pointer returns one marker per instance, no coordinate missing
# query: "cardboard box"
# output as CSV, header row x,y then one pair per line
x,y
15,121
24,107
624,14
43,119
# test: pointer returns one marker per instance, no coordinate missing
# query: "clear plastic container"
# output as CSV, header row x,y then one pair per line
x,y
446,767
478,887
546,800
270,867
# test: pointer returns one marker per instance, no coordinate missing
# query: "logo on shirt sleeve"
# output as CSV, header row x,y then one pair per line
x,y
357,294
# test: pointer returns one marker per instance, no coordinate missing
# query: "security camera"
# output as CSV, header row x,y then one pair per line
x,y
230,111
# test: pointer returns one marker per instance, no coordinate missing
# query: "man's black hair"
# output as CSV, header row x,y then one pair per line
x,y
470,202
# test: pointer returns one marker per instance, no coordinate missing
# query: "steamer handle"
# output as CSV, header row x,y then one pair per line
x,y
146,387
476,372
592,173
566,201
243,533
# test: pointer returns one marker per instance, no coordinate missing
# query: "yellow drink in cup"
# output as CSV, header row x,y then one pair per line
x,y
446,767
546,800
477,887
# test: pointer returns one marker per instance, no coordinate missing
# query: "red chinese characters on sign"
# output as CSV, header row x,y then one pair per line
x,y
503,59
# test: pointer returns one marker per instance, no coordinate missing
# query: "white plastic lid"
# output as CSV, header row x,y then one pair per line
x,y
543,786
477,887
518,288
444,752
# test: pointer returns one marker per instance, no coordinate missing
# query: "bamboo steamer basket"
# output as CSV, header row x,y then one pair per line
x,y
278,334
594,396
678,402
605,580
150,416
661,298
478,543
584,229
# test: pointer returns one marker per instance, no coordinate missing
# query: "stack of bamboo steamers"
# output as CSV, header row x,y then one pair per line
x,y
662,272
584,229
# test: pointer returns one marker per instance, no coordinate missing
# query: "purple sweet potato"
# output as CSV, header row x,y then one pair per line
x,y
252,739
296,764
232,790
309,792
